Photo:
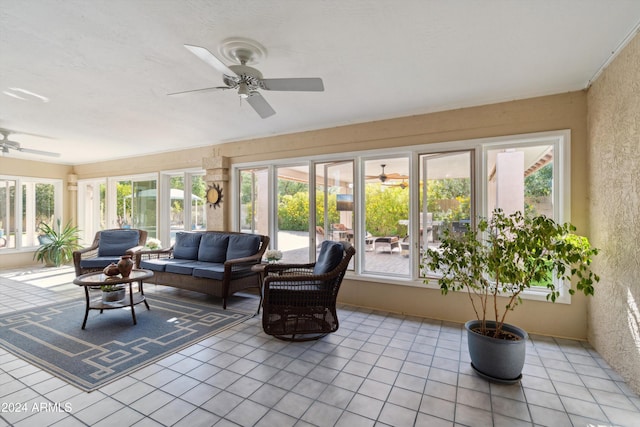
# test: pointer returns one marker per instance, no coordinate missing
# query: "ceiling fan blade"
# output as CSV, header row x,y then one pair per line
x,y
7,132
261,105
206,89
210,59
394,175
311,84
40,152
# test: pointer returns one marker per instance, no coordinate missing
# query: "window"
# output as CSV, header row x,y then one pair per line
x,y
393,204
254,207
530,177
184,210
21,212
133,202
293,214
8,223
386,216
92,208
335,203
446,197
521,179
137,204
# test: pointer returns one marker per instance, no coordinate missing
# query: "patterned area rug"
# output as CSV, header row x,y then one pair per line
x,y
110,347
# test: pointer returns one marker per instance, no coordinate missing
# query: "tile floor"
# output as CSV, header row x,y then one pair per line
x,y
378,369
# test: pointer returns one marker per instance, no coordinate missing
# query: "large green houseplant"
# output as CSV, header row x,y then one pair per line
x,y
499,260
57,243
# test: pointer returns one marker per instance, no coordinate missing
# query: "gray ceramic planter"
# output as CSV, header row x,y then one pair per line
x,y
496,359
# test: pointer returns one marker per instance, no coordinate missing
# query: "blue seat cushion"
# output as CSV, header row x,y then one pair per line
x,y
242,245
211,271
160,264
185,267
99,262
331,253
117,242
186,245
213,247
216,271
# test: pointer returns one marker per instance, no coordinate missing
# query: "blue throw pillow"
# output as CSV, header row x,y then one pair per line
x,y
117,242
242,245
186,245
331,253
213,247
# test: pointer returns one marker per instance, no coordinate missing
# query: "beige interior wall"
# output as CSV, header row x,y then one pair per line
x,y
562,111
18,167
614,135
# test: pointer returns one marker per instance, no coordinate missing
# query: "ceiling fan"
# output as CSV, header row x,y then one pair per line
x,y
386,176
6,144
248,80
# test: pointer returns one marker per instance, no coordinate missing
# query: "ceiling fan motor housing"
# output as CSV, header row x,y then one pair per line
x,y
245,74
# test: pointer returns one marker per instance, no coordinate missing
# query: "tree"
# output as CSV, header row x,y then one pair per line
x,y
449,198
385,206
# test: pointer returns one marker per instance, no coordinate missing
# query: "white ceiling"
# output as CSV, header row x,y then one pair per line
x,y
107,65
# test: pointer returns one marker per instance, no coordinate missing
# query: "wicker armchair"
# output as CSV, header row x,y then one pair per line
x,y
107,247
300,299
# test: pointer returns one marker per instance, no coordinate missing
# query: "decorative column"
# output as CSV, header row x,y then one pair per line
x,y
72,193
217,179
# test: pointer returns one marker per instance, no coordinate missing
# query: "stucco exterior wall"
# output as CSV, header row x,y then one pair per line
x,y
614,135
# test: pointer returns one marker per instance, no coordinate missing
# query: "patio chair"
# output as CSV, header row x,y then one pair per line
x,y
107,247
299,302
320,236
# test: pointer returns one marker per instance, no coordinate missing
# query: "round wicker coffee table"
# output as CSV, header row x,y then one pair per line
x,y
97,279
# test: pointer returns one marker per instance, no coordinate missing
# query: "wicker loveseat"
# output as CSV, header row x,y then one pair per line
x,y
212,262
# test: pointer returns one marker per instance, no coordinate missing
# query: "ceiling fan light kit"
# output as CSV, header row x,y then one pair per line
x,y
248,80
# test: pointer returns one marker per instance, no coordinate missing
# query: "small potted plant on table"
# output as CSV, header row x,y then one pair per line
x,y
505,256
112,293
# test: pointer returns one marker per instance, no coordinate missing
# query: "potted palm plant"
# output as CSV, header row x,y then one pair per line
x,y
495,264
57,243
